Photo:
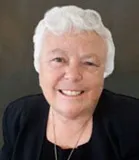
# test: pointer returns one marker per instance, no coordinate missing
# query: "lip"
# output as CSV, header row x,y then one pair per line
x,y
66,96
66,89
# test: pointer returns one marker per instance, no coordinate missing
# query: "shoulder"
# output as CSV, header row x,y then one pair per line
x,y
20,112
26,103
18,115
23,106
120,108
31,99
114,103
120,118
118,98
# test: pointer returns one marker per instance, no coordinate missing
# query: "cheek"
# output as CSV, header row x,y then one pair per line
x,y
95,79
47,86
96,88
45,78
48,79
95,85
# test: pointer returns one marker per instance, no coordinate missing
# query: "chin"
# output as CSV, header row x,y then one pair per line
x,y
70,115
70,111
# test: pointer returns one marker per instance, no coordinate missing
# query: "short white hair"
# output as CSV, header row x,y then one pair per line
x,y
59,20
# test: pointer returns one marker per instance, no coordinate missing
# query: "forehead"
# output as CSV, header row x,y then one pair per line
x,y
84,42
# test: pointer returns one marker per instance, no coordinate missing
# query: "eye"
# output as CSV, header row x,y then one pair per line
x,y
90,64
59,59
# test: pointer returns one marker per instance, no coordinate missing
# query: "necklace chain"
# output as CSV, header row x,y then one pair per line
x,y
55,148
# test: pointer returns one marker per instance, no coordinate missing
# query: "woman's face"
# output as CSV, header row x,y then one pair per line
x,y
71,71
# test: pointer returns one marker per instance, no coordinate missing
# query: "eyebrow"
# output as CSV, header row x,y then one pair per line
x,y
63,51
58,50
90,55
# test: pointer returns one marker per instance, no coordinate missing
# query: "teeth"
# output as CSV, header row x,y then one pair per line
x,y
71,93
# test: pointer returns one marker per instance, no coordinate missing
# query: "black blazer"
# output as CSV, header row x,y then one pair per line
x,y
115,134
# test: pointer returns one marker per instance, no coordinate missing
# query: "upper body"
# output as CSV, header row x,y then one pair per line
x,y
73,54
115,133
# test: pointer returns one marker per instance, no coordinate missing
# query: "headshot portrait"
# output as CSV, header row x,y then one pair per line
x,y
74,117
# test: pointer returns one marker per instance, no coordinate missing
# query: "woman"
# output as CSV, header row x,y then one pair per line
x,y
74,118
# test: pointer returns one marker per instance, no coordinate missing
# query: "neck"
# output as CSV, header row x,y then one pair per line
x,y
69,128
69,122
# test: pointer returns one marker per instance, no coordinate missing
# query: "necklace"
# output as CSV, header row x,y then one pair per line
x,y
76,144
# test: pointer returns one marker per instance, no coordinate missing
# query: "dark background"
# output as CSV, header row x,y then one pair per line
x,y
18,19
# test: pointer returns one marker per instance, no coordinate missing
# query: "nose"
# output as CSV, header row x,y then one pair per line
x,y
73,73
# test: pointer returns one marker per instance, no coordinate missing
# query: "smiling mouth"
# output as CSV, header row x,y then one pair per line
x,y
71,93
